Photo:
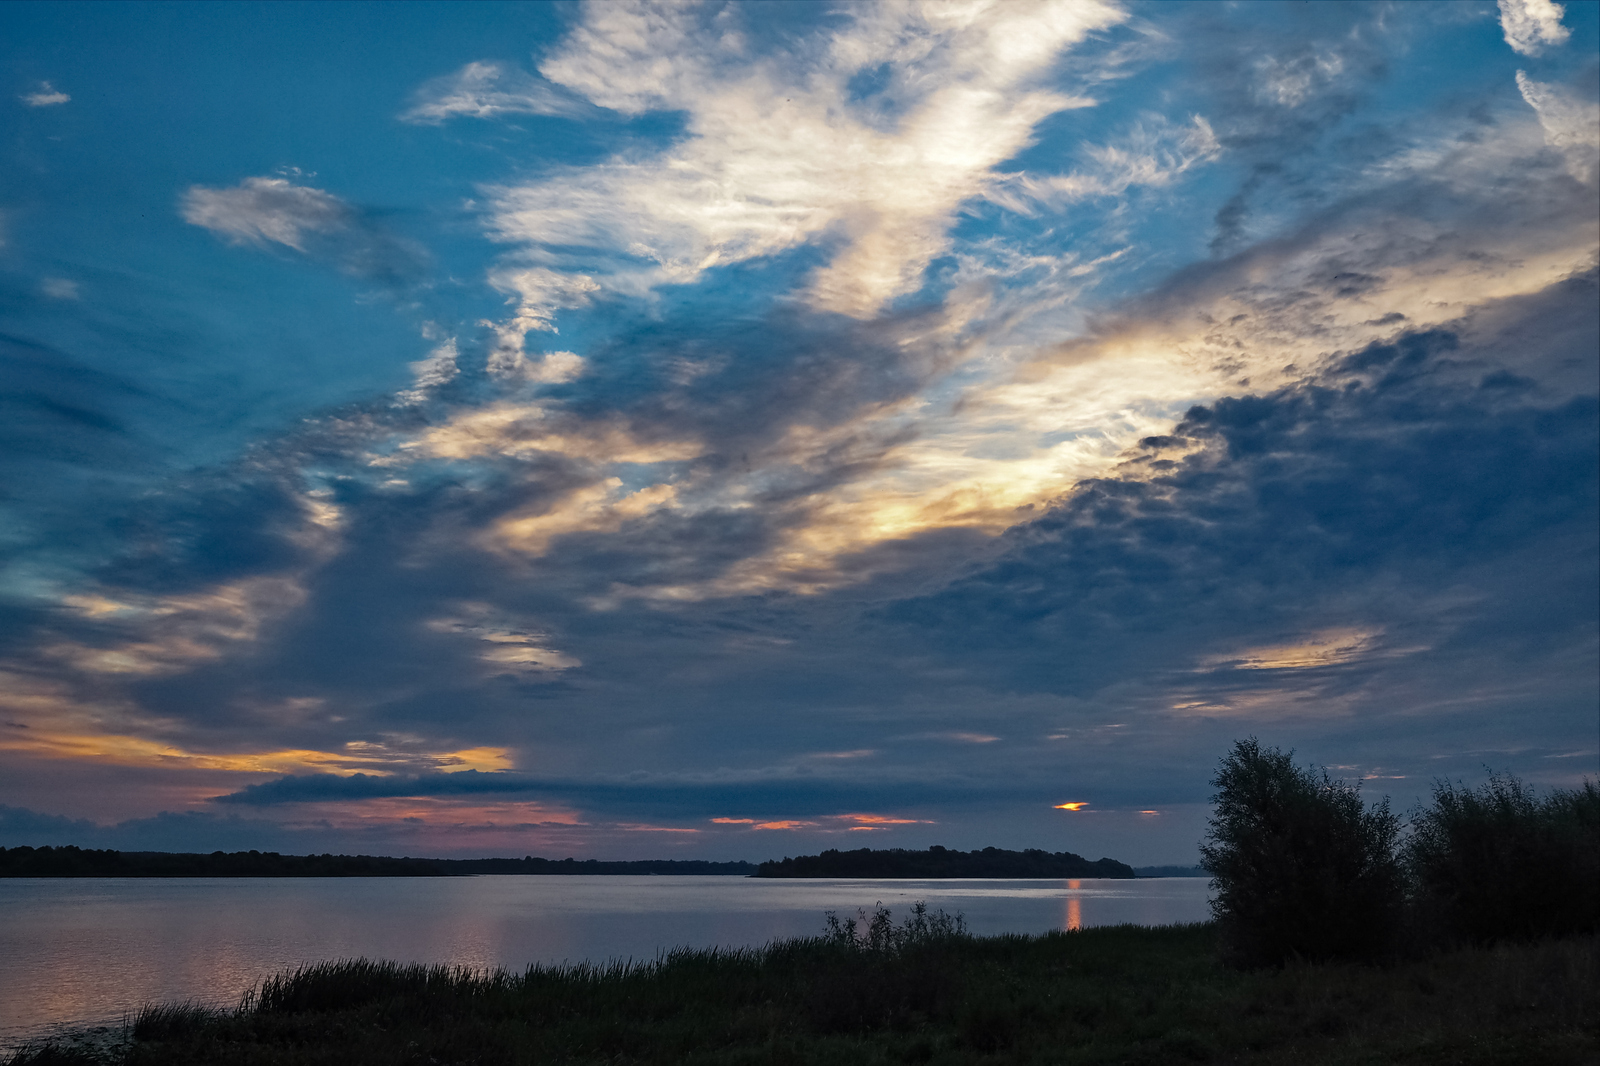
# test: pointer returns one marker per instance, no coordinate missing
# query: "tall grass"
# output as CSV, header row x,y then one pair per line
x,y
1096,997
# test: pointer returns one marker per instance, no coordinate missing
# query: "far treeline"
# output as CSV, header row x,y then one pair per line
x,y
81,862
943,862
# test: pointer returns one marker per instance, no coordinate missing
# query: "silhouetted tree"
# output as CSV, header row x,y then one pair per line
x,y
1299,867
1497,862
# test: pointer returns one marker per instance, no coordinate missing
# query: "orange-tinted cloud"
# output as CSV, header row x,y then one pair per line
x,y
880,819
785,825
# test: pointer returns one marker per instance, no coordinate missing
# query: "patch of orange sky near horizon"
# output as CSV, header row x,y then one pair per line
x,y
863,821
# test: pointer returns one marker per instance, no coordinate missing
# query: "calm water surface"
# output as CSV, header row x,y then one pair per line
x,y
88,951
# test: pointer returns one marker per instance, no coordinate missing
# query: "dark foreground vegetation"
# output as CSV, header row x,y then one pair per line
x,y
943,862
923,992
1302,869
81,862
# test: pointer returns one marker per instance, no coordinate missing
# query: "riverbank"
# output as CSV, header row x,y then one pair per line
x,y
1111,995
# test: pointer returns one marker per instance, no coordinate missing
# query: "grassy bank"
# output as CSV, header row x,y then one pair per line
x,y
1111,995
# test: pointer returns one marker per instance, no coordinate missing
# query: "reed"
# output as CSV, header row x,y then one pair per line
x,y
912,993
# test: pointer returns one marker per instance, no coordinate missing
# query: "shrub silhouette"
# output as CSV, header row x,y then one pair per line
x,y
878,932
1299,867
1497,863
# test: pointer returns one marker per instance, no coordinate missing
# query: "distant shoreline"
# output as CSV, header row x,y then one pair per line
x,y
84,862
1169,871
895,864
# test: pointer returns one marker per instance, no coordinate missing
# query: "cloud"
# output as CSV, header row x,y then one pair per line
x,y
538,293
1571,125
258,210
778,152
1289,81
510,646
61,412
189,831
45,96
20,827
1273,92
1156,153
438,369
60,289
313,222
1531,26
914,466
959,736
1328,647
1077,510
484,90
1342,508
810,796
908,466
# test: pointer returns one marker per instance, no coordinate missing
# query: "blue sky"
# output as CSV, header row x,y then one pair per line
x,y
722,430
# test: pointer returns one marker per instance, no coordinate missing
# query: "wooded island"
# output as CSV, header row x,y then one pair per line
x,y
944,862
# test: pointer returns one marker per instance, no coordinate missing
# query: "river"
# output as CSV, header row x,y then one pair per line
x,y
90,951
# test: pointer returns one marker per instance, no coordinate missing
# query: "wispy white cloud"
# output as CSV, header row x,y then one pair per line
x,y
538,293
439,368
313,222
1290,82
1155,153
509,646
485,90
60,289
782,151
1571,126
1531,26
258,210
46,95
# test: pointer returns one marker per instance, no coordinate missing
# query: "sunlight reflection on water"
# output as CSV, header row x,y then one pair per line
x,y
88,951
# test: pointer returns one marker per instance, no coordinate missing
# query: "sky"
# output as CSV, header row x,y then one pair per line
x,y
736,430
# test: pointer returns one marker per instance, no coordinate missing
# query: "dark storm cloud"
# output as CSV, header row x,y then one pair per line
x,y
195,535
20,826
1457,517
741,382
411,555
675,796
196,831
1349,499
